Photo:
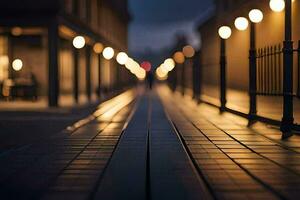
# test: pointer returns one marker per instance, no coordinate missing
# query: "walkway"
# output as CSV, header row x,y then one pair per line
x,y
155,145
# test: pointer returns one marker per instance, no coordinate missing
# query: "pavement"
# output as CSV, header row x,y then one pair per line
x,y
155,145
239,100
25,122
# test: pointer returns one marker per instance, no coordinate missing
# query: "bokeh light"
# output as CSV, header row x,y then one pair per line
x,y
17,64
169,64
225,32
146,65
16,31
122,58
108,53
179,57
98,48
277,5
256,15
241,23
188,51
79,42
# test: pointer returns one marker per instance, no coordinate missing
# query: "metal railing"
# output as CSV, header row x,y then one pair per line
x,y
270,70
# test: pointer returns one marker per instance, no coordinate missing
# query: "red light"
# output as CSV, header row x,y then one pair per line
x,y
146,66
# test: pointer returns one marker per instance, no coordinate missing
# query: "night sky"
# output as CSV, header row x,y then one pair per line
x,y
157,21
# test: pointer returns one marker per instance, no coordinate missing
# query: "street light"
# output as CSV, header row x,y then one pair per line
x,y
241,23
98,48
122,58
169,64
255,16
188,51
277,5
224,33
288,115
17,64
179,57
79,42
108,53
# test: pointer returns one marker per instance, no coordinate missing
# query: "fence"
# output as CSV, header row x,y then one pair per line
x,y
269,62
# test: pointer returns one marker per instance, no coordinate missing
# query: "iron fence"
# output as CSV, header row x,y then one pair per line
x,y
269,62
269,70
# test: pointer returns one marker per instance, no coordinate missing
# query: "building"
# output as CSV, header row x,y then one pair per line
x,y
38,35
248,64
269,33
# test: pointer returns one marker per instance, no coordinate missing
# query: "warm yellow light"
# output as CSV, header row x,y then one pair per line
x,y
161,74
225,32
179,57
141,74
17,64
16,31
256,16
188,51
122,58
129,63
79,42
108,53
241,23
169,64
277,5
98,48
161,77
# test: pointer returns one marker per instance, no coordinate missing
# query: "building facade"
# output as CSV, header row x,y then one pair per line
x,y
36,46
269,34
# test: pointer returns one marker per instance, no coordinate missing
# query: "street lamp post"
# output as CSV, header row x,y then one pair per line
x,y
223,75
255,16
224,33
287,119
252,74
98,48
78,43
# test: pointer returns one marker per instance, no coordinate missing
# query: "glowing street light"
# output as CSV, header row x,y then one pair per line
x,y
16,31
256,15
225,32
188,51
108,53
98,48
277,5
161,74
79,42
169,64
17,64
241,23
179,57
122,58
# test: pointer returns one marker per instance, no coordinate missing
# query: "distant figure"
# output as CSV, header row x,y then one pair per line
x,y
150,79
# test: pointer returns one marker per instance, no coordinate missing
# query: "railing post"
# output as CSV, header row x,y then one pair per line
x,y
223,75
183,78
75,75
88,71
99,76
298,60
252,75
287,119
196,76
